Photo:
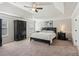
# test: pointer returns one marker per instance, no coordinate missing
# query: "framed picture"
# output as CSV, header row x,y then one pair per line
x,y
49,23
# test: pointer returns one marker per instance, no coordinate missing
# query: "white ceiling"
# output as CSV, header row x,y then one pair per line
x,y
7,8
50,9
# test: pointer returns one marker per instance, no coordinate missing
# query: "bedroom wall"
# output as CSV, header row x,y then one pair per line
x,y
75,26
30,27
67,26
75,30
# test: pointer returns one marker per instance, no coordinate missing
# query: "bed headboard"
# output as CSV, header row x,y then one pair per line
x,y
50,29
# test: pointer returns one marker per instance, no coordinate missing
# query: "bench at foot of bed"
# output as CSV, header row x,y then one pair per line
x,y
50,42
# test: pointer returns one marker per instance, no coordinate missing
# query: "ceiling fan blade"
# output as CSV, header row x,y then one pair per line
x,y
28,6
39,8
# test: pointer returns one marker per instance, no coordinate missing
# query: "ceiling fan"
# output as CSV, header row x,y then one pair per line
x,y
34,7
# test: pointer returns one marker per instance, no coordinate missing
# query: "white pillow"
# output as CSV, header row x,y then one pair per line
x,y
48,31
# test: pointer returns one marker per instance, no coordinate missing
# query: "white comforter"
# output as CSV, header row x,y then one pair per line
x,y
46,35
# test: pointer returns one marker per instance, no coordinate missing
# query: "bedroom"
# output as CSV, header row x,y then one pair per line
x,y
57,15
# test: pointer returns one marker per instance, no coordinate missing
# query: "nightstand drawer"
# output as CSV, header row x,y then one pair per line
x,y
61,36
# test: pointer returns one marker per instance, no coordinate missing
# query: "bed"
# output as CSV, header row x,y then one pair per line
x,y
47,34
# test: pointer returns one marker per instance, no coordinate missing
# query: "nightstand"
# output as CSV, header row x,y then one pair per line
x,y
62,36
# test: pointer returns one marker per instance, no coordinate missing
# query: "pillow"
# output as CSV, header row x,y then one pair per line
x,y
48,31
37,31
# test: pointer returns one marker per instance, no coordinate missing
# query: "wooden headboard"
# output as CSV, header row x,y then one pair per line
x,y
50,29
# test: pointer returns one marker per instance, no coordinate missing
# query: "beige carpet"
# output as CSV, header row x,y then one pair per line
x,y
35,48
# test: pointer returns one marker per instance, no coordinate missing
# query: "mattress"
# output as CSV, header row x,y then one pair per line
x,y
46,35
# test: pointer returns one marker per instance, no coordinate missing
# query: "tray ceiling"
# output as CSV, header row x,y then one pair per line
x,y
50,9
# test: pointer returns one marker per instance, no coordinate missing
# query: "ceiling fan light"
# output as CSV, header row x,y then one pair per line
x,y
33,9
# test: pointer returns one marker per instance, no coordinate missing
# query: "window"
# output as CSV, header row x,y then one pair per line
x,y
4,27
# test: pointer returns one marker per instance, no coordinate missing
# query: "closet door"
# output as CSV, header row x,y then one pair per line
x,y
19,30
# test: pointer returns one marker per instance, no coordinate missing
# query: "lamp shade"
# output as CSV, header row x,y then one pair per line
x,y
62,28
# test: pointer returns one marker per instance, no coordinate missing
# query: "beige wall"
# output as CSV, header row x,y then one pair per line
x,y
67,26
30,27
66,23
